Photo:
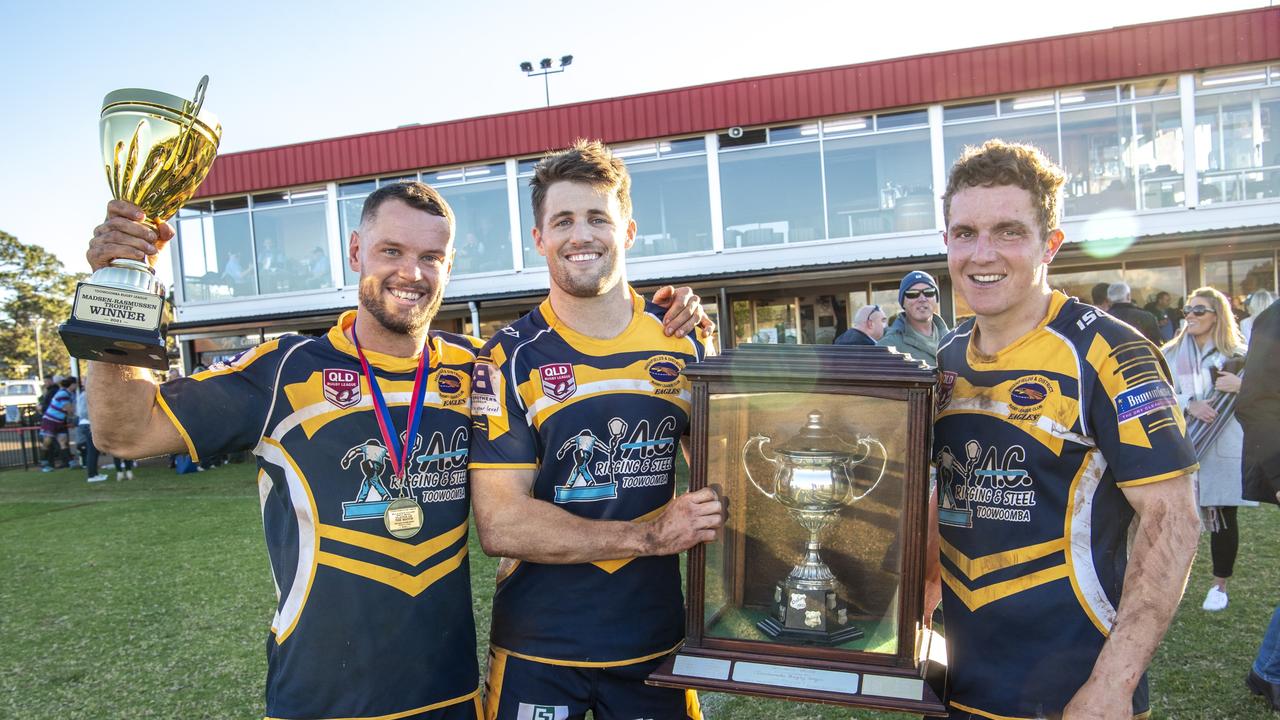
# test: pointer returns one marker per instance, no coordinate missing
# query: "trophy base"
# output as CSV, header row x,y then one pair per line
x,y
810,615
117,325
774,629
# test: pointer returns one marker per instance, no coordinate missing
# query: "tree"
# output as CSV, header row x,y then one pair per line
x,y
35,291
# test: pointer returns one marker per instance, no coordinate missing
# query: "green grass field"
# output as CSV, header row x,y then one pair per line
x,y
151,599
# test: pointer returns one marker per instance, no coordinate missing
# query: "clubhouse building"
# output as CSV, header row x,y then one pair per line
x,y
788,201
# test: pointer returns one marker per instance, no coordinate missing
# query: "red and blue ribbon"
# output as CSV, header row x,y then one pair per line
x,y
399,455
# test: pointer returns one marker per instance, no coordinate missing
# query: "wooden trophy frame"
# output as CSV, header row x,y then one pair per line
x,y
876,548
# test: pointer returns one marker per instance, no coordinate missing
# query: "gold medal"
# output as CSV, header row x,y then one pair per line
x,y
403,518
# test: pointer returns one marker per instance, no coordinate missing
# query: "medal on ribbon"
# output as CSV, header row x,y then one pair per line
x,y
403,516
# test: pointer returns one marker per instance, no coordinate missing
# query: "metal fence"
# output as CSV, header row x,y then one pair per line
x,y
19,447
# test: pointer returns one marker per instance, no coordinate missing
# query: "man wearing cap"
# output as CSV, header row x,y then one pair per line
x,y
867,327
918,329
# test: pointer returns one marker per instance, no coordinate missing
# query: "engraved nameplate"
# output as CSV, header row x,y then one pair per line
x,y
794,677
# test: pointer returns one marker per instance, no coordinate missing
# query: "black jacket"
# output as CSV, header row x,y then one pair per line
x,y
1258,409
854,336
1141,320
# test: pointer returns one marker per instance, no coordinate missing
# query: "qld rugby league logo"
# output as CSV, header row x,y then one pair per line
x,y
946,385
341,387
558,382
663,370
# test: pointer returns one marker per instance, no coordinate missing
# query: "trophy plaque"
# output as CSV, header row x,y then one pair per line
x,y
157,149
815,589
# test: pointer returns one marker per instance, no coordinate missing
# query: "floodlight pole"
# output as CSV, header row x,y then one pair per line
x,y
545,70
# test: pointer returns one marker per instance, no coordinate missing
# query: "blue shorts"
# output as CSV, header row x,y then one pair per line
x,y
522,689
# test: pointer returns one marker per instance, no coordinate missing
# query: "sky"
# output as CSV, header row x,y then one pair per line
x,y
283,72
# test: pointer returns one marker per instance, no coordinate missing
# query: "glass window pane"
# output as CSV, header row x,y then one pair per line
x,y
793,132
1038,130
1231,76
684,145
1240,277
232,203
1236,157
216,257
859,124
349,210
483,234
1153,88
879,183
1148,281
1096,158
902,119
383,182
362,187
1087,96
195,208
1157,154
1078,281
747,137
269,199
292,248
531,257
969,110
771,195
671,205
493,171
526,165
1027,103
439,177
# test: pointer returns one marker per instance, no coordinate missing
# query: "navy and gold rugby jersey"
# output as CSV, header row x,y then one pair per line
x,y
366,625
1032,448
601,421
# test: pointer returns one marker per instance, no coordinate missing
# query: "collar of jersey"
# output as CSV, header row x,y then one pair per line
x,y
1056,301
595,346
342,341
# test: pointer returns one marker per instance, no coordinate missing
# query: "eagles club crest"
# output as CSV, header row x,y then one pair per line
x,y
558,382
341,387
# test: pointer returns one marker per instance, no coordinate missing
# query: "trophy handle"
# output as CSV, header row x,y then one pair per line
x,y
884,464
759,440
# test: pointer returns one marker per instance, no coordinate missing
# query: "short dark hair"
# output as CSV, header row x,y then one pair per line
x,y
68,381
998,162
416,195
1098,293
586,161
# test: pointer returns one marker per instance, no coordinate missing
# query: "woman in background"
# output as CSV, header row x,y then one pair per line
x,y
1208,341
1257,302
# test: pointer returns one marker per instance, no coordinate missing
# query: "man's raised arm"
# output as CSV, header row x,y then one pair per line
x,y
123,408
511,523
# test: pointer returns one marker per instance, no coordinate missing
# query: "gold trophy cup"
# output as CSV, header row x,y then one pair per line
x,y
813,480
157,149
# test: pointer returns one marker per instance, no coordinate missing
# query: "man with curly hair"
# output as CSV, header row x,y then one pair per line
x,y
1059,431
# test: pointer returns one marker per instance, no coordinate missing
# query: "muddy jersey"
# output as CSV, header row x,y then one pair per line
x,y
366,626
601,422
1033,447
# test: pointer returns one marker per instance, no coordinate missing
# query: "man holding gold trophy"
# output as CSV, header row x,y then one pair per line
x,y
374,614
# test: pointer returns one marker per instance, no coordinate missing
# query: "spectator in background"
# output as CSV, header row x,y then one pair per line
x,y
1119,297
867,327
318,268
1098,296
51,387
1256,304
919,328
1258,410
1196,357
86,439
1163,312
54,425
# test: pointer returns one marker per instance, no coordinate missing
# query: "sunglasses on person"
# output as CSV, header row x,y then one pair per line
x,y
1199,310
927,292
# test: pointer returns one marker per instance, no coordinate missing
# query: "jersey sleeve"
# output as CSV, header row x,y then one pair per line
x,y
224,408
1133,412
502,437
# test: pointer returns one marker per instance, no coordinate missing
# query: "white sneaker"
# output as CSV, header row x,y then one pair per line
x,y
98,478
128,474
119,476
1215,600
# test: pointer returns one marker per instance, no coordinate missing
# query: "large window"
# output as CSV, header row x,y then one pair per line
x,y
771,193
1240,276
1023,120
290,241
478,197
878,183
671,205
1237,156
217,253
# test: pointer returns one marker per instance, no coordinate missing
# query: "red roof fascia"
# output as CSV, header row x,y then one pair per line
x,y
1121,53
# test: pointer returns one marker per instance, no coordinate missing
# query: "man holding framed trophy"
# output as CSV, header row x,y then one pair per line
x,y
1056,428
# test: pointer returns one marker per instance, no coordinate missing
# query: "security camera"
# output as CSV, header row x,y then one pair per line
x,y
735,132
